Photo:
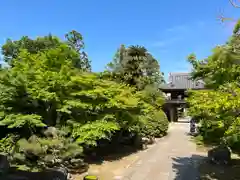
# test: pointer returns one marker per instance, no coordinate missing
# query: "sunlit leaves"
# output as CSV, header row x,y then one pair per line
x,y
219,108
47,87
20,120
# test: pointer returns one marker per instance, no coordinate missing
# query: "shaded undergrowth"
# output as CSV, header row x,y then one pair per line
x,y
217,172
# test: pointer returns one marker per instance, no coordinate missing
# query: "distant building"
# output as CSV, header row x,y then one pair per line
x,y
182,81
175,92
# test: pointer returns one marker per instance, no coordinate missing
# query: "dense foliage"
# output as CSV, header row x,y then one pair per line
x,y
218,108
135,66
74,40
53,109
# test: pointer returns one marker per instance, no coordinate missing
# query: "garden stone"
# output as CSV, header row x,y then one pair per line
x,y
220,155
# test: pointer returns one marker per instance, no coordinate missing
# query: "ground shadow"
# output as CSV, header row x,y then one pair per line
x,y
121,145
186,168
192,134
198,167
111,154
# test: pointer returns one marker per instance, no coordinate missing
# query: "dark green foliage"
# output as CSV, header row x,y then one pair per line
x,y
75,41
47,151
135,66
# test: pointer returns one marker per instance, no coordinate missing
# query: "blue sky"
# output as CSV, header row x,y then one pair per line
x,y
169,29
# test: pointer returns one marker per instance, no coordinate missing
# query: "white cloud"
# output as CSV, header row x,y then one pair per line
x,y
166,42
177,28
186,27
159,44
177,33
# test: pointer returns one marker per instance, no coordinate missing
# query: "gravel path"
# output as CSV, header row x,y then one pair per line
x,y
174,157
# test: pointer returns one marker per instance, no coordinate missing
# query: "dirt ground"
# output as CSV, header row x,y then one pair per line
x,y
173,157
183,160
109,169
112,169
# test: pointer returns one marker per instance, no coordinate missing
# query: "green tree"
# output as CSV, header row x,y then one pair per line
x,y
218,108
45,91
11,49
75,40
135,66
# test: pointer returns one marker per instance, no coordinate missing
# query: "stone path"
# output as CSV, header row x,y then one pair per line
x,y
173,158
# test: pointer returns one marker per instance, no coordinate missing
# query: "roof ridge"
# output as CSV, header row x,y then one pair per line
x,y
180,73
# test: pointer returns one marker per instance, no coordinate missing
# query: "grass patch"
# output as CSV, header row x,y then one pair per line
x,y
202,145
198,140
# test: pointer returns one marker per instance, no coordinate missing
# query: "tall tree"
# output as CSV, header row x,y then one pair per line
x,y
135,66
75,40
11,48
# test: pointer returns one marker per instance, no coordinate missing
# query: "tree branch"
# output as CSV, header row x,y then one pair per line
x,y
234,4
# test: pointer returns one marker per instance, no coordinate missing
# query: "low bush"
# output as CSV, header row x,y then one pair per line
x,y
155,125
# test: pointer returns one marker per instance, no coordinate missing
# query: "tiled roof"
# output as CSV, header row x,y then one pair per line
x,y
182,81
